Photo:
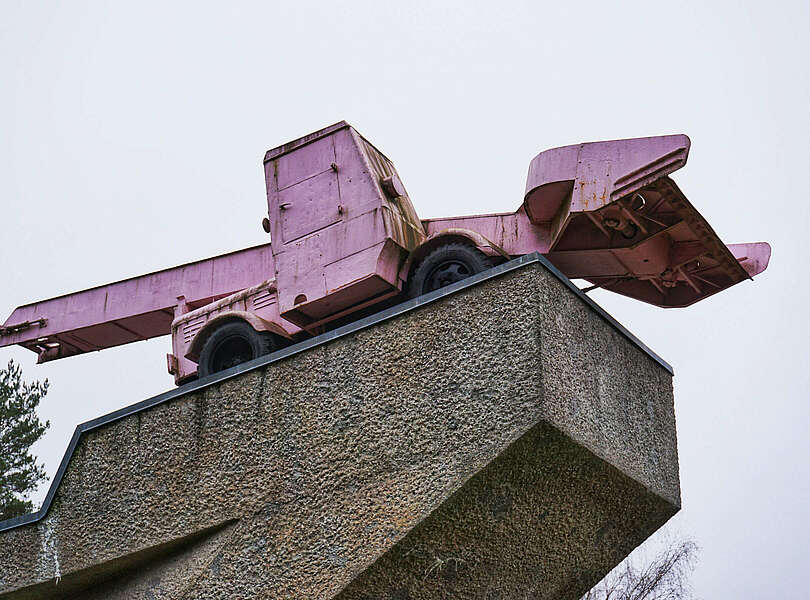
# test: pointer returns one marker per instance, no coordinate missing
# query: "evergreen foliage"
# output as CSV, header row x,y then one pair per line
x,y
20,428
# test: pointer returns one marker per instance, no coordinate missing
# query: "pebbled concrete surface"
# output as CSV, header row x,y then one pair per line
x,y
502,442
540,521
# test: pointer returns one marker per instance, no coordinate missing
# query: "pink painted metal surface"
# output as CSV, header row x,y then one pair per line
x,y
340,235
256,304
133,309
608,212
346,236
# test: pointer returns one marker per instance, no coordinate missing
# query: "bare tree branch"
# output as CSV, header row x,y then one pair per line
x,y
665,577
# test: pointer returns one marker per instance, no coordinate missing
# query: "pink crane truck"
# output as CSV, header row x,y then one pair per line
x,y
345,237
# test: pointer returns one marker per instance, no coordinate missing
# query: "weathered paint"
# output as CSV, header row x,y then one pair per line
x,y
346,235
133,309
256,305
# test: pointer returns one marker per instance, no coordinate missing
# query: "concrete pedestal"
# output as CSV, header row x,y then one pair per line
x,y
504,440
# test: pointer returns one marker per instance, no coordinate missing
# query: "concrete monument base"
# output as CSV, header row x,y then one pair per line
x,y
502,438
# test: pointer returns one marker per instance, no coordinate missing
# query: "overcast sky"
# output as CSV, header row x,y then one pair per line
x,y
132,134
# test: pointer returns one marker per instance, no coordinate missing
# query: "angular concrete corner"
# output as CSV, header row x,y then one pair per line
x,y
500,439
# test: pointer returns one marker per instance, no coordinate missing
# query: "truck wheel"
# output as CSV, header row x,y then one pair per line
x,y
445,265
231,344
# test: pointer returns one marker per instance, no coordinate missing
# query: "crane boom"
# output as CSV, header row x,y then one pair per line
x,y
134,309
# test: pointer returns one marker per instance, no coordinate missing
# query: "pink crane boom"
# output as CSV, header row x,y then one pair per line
x,y
345,236
134,309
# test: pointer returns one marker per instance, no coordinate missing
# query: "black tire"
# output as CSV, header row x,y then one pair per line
x,y
445,265
231,344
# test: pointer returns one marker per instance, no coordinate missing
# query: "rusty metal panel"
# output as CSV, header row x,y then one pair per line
x,y
307,161
401,221
300,272
309,206
352,236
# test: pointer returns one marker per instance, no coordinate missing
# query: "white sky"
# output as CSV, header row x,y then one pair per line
x,y
131,139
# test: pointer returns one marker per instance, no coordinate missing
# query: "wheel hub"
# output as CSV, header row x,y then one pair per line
x,y
447,273
231,352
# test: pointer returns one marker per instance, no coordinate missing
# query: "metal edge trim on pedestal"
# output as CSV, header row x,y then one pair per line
x,y
324,338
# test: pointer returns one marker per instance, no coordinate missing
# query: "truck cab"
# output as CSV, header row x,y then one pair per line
x,y
341,225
